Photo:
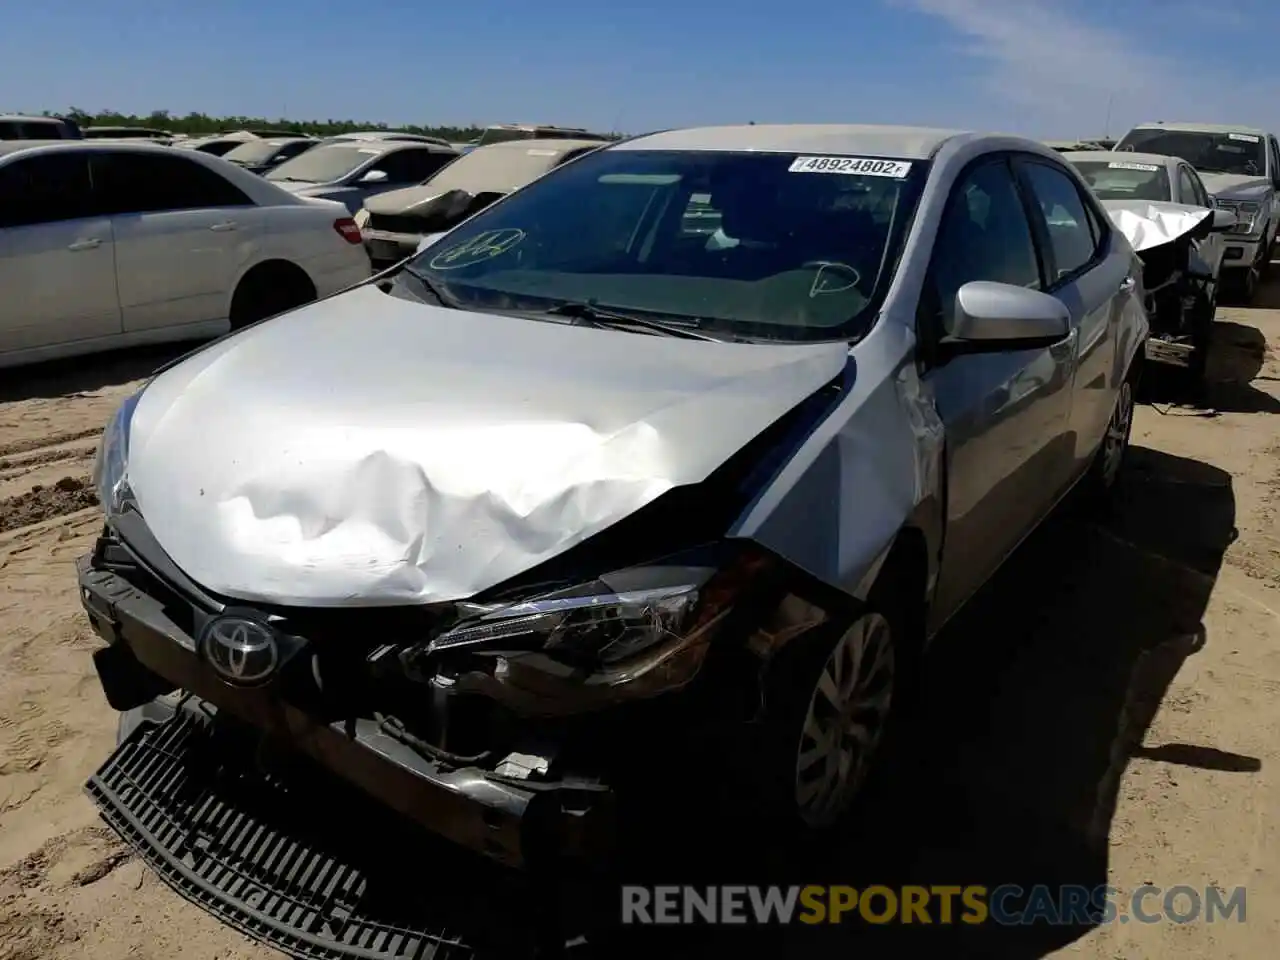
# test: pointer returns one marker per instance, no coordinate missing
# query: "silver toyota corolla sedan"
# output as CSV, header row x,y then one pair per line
x,y
702,434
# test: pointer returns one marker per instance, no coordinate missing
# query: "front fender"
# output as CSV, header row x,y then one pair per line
x,y
870,469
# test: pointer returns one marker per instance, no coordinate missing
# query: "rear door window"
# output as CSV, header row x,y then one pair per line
x,y
1072,235
152,182
46,188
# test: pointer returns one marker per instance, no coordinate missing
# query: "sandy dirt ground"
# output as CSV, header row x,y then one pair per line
x,y
1106,712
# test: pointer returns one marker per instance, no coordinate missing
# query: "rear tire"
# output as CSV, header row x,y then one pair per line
x,y
1099,484
267,290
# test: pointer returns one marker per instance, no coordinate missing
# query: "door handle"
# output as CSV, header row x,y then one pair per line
x,y
224,226
91,243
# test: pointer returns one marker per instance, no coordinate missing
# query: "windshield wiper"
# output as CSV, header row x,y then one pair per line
x,y
431,288
593,316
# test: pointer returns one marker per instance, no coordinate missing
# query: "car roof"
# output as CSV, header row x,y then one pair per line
x,y
1121,156
387,146
549,144
27,118
13,146
535,126
1190,127
89,146
916,143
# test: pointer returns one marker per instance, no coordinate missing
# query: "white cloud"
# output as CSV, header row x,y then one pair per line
x,y
1058,73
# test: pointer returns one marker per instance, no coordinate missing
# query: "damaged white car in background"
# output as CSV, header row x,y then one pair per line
x,y
1162,207
583,490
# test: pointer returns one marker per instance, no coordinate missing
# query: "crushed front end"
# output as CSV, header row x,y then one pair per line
x,y
1179,285
1180,295
505,726
518,722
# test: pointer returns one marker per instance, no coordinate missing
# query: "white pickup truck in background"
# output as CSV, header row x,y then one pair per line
x,y
1240,167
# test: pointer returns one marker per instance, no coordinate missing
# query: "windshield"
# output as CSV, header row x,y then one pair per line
x,y
500,170
1123,180
758,245
325,163
255,151
1238,153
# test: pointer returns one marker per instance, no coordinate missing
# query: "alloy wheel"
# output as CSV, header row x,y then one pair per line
x,y
843,725
1117,436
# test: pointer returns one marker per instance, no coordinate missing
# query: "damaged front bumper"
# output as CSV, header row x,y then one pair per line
x,y
504,810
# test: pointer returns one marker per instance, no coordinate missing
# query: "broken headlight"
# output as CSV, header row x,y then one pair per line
x,y
614,619
599,623
111,466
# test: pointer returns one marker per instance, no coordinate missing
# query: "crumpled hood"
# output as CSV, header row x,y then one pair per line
x,y
399,201
367,450
1234,186
1150,223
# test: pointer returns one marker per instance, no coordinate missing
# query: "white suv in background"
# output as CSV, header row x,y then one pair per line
x,y
111,245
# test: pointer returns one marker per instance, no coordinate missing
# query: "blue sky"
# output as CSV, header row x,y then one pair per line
x,y
1042,67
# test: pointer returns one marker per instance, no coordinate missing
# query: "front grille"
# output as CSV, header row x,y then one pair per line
x,y
291,856
397,223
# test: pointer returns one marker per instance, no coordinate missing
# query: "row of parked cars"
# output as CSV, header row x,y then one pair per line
x,y
683,447
652,480
180,240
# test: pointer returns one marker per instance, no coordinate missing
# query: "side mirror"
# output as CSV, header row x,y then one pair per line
x,y
374,176
1223,220
998,317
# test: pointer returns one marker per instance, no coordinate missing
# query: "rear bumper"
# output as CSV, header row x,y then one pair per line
x,y
148,653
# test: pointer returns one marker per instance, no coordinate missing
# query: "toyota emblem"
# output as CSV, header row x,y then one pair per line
x,y
242,651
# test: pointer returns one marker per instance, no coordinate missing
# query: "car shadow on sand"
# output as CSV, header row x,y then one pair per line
x,y
1036,697
1236,360
78,376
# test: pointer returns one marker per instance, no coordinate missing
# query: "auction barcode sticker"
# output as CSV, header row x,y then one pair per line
x,y
1246,137
1122,165
866,166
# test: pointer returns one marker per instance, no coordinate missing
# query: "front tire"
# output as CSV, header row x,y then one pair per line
x,y
832,696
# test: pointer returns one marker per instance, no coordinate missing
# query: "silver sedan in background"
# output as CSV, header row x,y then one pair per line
x,y
589,484
350,171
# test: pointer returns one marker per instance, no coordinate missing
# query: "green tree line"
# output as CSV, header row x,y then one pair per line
x,y
196,124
